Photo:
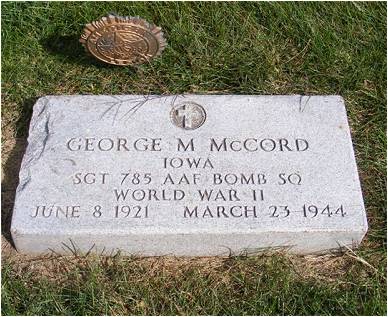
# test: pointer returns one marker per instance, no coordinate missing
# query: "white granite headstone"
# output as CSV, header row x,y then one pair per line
x,y
188,175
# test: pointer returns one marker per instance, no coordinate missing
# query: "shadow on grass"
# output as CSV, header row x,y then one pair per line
x,y
11,169
68,48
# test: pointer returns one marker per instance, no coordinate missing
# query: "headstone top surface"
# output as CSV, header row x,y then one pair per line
x,y
164,173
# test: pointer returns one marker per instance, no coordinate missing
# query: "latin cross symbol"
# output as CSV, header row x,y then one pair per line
x,y
188,116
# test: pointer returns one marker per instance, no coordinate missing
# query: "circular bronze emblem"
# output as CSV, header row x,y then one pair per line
x,y
188,115
123,40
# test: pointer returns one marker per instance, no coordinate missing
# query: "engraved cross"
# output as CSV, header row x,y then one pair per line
x,y
188,116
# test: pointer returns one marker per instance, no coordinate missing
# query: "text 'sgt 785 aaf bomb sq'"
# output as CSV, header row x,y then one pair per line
x,y
193,175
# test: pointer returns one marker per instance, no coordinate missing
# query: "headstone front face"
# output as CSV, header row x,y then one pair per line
x,y
188,175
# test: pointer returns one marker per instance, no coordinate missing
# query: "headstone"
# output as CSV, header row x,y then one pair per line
x,y
191,175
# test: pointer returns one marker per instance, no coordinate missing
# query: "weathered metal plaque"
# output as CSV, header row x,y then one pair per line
x,y
123,40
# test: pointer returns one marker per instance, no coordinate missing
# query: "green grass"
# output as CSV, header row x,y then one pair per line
x,y
239,48
240,286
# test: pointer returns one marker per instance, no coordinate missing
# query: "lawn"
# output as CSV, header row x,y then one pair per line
x,y
229,48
